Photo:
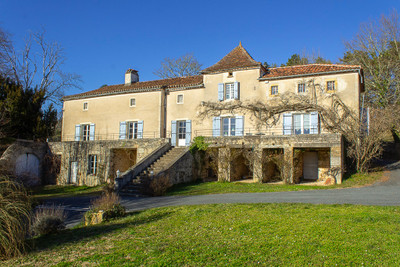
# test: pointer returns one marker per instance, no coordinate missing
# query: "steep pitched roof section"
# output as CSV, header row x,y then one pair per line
x,y
238,58
171,83
310,69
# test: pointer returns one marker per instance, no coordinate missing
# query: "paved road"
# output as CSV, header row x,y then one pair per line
x,y
385,193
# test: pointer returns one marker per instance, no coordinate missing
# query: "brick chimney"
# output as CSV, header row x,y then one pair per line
x,y
131,76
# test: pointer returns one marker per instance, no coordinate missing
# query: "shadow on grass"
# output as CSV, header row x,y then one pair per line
x,y
89,232
183,187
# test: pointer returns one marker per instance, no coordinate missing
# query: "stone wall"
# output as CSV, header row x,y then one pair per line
x,y
181,171
79,152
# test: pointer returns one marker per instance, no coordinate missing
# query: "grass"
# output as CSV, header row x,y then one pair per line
x,y
230,234
200,188
50,191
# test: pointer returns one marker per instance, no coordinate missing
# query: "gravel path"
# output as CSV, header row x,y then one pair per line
x,y
385,193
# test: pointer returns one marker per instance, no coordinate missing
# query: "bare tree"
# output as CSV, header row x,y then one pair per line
x,y
186,65
365,143
38,65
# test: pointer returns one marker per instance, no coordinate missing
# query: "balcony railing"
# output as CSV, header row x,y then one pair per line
x,y
255,132
107,137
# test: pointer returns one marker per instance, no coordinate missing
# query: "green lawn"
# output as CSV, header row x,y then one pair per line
x,y
230,234
48,191
200,188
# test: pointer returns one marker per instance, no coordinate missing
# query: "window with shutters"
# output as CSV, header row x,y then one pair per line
x,y
301,123
92,168
301,88
85,132
228,91
181,129
132,129
85,106
330,86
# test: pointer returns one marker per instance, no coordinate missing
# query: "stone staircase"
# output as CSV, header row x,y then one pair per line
x,y
139,185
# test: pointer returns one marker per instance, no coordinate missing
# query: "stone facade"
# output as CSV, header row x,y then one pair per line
x,y
107,160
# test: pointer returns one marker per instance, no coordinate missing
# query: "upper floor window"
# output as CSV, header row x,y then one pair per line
x,y
84,132
130,130
132,102
228,91
274,90
179,99
301,88
92,166
331,86
85,105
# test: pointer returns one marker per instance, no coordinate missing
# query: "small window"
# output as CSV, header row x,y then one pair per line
x,y
274,90
92,167
132,102
230,74
85,106
301,88
229,91
179,99
330,86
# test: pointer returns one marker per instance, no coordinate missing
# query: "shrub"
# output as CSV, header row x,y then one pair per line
x,y
109,204
159,185
48,220
15,214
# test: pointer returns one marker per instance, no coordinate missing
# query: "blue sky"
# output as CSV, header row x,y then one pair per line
x,y
102,39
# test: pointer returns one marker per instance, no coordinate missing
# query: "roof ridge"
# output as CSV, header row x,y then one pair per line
x,y
317,64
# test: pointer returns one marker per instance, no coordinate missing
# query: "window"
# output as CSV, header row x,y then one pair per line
x,y
92,168
230,74
85,132
330,86
274,90
229,91
301,88
181,129
132,130
179,99
228,126
132,102
301,123
85,106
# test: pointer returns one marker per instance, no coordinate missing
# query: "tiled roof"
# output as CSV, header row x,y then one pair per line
x,y
298,70
238,58
180,82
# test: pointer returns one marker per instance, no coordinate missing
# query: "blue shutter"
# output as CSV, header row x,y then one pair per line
x,y
188,132
122,130
220,91
91,132
236,90
287,123
173,133
140,129
314,123
239,126
77,132
216,126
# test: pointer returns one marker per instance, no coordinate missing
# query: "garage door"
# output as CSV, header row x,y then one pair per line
x,y
310,166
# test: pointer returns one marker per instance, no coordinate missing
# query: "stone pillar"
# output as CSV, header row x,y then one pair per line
x,y
288,168
257,165
224,164
336,162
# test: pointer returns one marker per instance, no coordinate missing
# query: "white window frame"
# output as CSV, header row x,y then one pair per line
x,y
231,131
132,125
334,86
85,106
229,90
92,164
303,89
304,129
274,90
179,101
85,131
134,102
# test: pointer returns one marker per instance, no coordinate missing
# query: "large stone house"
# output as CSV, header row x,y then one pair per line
x,y
121,127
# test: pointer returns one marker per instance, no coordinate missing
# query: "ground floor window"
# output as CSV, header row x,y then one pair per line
x,y
85,132
132,130
301,123
92,168
181,129
228,126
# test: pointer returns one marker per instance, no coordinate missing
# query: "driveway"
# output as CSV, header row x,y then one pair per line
x,y
384,193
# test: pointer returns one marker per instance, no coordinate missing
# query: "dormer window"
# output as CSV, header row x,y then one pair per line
x,y
230,74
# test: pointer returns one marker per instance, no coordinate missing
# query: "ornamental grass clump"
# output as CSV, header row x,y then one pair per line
x,y
108,205
15,215
48,220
